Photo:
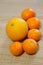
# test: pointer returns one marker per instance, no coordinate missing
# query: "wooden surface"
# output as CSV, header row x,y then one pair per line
x,y
13,8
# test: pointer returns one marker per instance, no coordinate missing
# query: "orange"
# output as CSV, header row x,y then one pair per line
x,y
16,29
30,46
33,23
27,13
34,34
16,48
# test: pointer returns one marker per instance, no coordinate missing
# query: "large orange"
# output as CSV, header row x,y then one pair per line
x,y
30,46
16,28
16,48
33,23
27,13
34,34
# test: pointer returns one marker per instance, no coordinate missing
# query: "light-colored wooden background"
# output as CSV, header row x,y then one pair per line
x,y
13,8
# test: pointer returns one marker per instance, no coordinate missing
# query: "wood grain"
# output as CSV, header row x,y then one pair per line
x,y
13,8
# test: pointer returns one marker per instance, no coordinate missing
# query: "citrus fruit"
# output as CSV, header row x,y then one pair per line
x,y
30,46
16,29
27,13
33,23
16,48
34,34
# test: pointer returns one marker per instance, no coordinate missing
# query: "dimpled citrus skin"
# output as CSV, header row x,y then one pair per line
x,y
33,23
34,34
27,13
30,46
16,29
16,48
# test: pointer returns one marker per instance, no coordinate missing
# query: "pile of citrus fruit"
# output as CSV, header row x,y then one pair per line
x,y
24,32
